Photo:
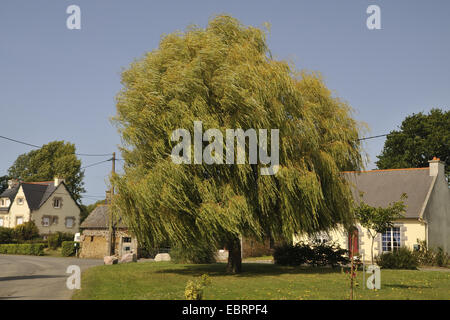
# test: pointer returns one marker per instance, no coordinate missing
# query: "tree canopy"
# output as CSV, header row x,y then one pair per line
x,y
224,76
55,159
3,183
420,138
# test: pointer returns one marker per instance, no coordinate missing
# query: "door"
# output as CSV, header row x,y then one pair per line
x,y
353,243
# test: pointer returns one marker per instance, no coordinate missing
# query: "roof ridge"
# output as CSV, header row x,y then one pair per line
x,y
378,170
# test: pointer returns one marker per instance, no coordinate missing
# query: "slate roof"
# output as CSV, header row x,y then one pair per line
x,y
99,219
36,193
381,187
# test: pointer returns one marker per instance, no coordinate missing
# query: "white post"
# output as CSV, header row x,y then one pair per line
x,y
364,271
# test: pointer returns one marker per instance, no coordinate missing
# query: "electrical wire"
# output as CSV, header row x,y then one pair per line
x,y
35,146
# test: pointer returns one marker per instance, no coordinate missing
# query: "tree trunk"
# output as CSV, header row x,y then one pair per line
x,y
234,256
371,249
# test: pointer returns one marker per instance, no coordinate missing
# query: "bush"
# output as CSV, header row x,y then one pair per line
x,y
441,257
198,255
68,248
431,257
26,231
55,240
313,254
6,235
194,289
403,258
36,249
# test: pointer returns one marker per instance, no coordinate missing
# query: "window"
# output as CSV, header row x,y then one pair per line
x,y
57,203
69,222
391,239
1,222
4,202
126,239
19,220
20,201
319,238
46,221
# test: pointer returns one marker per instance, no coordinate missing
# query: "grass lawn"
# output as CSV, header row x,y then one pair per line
x,y
165,280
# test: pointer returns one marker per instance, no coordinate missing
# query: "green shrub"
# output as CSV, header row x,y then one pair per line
x,y
321,254
68,248
35,249
26,231
403,258
431,257
198,255
6,235
55,240
441,257
194,289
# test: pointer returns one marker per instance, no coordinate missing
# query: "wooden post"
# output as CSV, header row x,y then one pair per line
x,y
111,223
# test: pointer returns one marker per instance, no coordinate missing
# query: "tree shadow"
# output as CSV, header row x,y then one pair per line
x,y
248,270
406,286
30,277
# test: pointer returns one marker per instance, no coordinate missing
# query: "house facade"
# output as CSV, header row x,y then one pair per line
x,y
49,204
427,216
95,236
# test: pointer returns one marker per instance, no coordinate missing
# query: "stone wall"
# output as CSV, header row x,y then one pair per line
x,y
94,243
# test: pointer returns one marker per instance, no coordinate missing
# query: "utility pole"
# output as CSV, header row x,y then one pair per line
x,y
111,241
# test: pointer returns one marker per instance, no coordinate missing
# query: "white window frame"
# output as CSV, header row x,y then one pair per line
x,y
73,222
46,219
17,220
391,239
57,201
2,222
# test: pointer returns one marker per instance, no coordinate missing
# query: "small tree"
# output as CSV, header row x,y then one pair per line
x,y
378,219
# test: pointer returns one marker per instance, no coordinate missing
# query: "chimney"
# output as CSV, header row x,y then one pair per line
x,y
12,183
58,181
436,167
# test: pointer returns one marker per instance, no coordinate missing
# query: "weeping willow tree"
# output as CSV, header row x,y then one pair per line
x,y
224,76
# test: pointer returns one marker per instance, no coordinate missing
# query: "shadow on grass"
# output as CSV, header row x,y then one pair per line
x,y
248,270
406,286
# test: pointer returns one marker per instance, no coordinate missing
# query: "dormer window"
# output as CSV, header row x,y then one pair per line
x,y
4,202
20,201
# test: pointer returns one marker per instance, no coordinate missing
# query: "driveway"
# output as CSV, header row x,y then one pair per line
x,y
37,278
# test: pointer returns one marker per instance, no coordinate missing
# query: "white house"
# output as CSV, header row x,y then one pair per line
x,y
427,214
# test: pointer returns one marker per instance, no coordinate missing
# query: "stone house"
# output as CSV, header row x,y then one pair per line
x,y
95,235
49,204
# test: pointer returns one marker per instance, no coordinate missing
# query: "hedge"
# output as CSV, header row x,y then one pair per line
x,y
68,248
35,249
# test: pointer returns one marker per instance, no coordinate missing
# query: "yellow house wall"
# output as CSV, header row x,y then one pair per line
x,y
410,231
68,209
17,210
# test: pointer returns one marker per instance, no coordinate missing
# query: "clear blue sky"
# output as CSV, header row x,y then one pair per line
x,y
60,84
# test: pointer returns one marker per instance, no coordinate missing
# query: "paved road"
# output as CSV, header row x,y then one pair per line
x,y
37,278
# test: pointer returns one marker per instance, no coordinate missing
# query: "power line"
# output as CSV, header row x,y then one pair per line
x,y
94,164
35,146
25,143
381,135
